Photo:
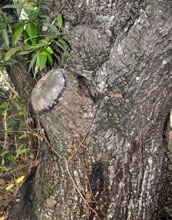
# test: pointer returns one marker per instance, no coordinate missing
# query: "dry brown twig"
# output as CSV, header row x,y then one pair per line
x,y
70,175
89,128
31,133
78,190
76,151
5,128
8,85
91,192
32,164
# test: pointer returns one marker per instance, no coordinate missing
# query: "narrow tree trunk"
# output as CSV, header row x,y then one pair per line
x,y
21,79
105,115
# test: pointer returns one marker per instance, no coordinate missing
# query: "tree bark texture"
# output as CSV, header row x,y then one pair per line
x,y
21,79
107,123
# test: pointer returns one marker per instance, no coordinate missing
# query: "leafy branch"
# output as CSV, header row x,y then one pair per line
x,y
26,37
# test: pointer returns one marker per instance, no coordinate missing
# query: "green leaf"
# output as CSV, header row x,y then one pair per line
x,y
34,47
31,156
33,16
3,25
60,20
4,105
61,46
23,124
5,36
14,96
9,28
65,50
56,48
14,6
18,108
19,166
63,42
39,26
17,33
33,60
42,59
26,38
1,68
23,151
4,46
11,52
4,152
10,62
11,158
44,41
32,32
50,59
7,131
49,50
67,53
24,52
36,71
53,27
7,19
27,11
11,123
9,187
46,17
45,7
6,168
23,136
21,113
20,179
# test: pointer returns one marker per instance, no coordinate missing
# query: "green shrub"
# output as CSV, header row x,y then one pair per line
x,y
28,38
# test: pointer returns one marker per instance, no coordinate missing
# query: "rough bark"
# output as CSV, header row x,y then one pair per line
x,y
21,79
107,124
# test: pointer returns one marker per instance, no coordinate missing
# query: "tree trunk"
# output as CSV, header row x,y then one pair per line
x,y
105,115
21,79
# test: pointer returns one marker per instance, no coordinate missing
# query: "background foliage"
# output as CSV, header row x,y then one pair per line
x,y
26,36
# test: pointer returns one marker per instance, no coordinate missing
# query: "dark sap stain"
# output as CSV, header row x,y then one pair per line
x,y
96,178
134,146
97,183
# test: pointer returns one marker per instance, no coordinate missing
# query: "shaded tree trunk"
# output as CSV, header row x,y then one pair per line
x,y
107,122
21,79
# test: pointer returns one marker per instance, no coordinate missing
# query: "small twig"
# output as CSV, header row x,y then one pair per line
x,y
78,190
52,148
71,178
8,85
89,128
34,163
31,133
139,178
16,145
44,138
5,128
94,199
38,151
67,161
